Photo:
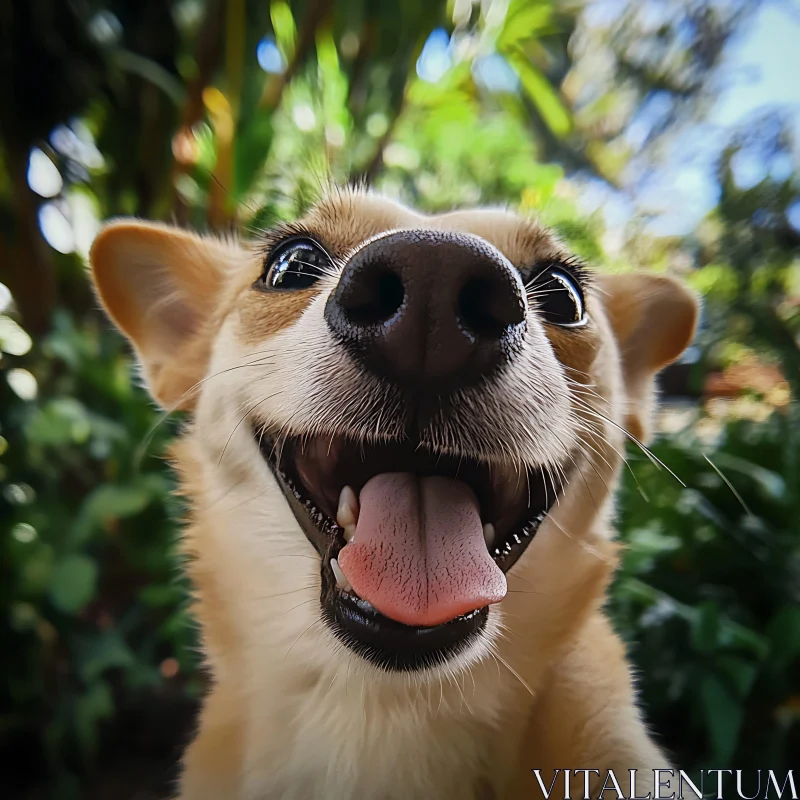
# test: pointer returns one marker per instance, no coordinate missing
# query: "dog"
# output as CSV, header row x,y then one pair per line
x,y
405,434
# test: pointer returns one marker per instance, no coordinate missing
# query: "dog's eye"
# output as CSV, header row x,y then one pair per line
x,y
558,296
296,264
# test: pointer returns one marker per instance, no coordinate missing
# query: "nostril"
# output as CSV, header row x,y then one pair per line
x,y
485,310
473,308
377,298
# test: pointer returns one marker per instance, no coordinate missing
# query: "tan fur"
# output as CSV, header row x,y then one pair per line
x,y
292,712
653,325
263,316
170,314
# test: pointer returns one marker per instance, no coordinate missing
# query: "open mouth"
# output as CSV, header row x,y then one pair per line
x,y
414,544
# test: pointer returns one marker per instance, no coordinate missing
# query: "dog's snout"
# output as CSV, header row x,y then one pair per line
x,y
429,309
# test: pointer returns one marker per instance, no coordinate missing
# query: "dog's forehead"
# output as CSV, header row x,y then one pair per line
x,y
345,220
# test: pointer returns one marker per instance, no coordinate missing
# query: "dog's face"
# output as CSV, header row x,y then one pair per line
x,y
390,411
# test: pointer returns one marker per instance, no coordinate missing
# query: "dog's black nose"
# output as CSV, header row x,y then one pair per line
x,y
427,309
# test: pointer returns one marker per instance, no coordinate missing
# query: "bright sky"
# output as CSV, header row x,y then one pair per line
x,y
764,62
759,70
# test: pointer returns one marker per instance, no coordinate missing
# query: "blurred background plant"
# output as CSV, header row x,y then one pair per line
x,y
638,129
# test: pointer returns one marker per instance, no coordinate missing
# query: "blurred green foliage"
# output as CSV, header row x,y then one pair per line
x,y
235,114
710,587
709,594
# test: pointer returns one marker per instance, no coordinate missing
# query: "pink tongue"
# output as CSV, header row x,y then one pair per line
x,y
418,554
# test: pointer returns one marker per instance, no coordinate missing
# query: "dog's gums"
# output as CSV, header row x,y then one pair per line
x,y
449,571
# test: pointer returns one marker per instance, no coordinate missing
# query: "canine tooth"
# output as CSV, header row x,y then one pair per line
x,y
347,513
341,581
488,534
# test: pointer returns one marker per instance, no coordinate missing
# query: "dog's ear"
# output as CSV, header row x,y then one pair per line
x,y
654,318
162,286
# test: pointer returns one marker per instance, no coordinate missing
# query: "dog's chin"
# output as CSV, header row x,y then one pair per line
x,y
319,475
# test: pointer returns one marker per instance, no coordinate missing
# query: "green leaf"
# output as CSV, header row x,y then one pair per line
x,y
115,502
99,700
91,708
157,596
36,572
705,628
98,653
525,21
327,54
738,636
723,715
59,422
73,583
784,637
543,95
284,28
739,674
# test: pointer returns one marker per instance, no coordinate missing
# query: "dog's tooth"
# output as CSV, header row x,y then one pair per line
x,y
349,533
341,581
347,513
488,535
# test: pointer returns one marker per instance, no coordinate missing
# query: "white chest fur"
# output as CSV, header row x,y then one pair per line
x,y
433,740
